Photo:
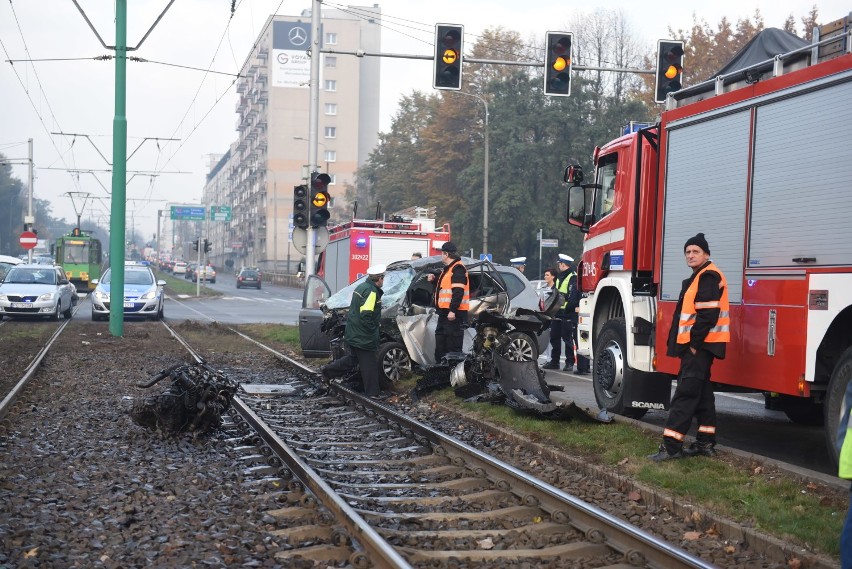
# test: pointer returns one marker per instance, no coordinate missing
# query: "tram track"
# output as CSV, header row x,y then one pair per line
x,y
419,497
386,477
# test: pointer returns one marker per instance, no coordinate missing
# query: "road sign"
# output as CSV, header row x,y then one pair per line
x,y
485,257
28,240
187,213
300,239
220,213
550,242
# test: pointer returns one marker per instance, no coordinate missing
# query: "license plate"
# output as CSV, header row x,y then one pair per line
x,y
129,305
22,305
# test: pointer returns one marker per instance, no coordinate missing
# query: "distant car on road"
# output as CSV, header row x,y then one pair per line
x,y
36,291
249,278
143,294
179,268
204,273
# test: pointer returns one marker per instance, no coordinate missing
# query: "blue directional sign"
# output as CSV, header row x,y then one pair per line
x,y
187,213
485,257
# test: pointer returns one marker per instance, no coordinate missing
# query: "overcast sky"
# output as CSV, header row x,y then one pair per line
x,y
165,101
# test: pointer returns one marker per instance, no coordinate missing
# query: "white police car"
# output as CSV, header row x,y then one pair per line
x,y
143,294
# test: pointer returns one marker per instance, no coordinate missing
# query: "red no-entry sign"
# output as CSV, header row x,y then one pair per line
x,y
28,240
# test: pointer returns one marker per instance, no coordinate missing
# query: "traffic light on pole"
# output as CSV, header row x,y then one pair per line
x,y
195,245
319,213
669,69
207,246
448,56
300,207
557,70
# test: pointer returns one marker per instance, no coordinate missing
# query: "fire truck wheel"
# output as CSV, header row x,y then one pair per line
x,y
393,362
611,371
840,378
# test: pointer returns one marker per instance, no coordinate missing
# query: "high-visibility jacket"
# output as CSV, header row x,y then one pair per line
x,y
364,317
844,436
446,285
564,285
721,331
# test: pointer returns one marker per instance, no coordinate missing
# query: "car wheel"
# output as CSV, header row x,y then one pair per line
x,y
95,317
55,315
238,286
521,348
611,371
393,362
161,312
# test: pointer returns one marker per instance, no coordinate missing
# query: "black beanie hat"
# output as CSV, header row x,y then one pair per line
x,y
698,240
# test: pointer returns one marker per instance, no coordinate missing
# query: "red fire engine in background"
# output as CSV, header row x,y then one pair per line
x,y
759,160
357,244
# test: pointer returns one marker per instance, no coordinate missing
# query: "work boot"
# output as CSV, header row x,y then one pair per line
x,y
700,448
582,372
662,454
568,368
551,365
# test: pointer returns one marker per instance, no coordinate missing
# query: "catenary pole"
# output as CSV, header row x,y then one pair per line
x,y
118,206
313,122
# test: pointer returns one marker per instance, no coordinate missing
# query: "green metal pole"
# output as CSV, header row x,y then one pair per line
x,y
119,175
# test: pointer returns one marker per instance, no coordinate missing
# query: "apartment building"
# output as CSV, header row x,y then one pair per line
x,y
256,175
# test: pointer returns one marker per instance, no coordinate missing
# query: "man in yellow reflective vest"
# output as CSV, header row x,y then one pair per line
x,y
362,327
844,445
452,298
699,334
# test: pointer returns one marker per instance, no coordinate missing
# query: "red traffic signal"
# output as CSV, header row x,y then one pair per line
x,y
449,40
558,63
669,73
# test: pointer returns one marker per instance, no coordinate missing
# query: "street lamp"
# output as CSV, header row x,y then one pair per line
x,y
485,175
321,144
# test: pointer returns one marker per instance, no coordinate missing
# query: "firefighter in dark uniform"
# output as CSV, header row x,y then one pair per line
x,y
699,334
452,298
362,327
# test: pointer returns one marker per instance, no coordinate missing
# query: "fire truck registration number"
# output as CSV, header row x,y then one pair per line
x,y
360,257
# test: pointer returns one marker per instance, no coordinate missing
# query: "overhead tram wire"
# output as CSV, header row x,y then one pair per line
x,y
427,28
218,99
27,91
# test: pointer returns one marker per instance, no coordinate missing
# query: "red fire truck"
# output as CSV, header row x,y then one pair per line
x,y
759,160
357,244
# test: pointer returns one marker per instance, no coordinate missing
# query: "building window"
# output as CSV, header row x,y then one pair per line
x,y
331,108
333,179
330,85
331,38
331,132
331,156
330,61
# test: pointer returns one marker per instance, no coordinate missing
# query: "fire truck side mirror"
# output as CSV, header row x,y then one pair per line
x,y
576,213
573,175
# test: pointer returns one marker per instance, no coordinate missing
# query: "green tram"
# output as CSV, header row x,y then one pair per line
x,y
80,255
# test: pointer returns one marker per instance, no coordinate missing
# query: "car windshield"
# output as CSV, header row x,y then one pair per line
x,y
395,286
31,276
131,277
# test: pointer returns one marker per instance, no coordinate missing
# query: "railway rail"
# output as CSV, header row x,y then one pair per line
x,y
362,484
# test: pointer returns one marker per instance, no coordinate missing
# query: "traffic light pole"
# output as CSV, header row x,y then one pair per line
x,y
313,123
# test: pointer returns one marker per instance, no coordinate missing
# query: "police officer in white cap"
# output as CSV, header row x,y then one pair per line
x,y
362,327
519,263
564,324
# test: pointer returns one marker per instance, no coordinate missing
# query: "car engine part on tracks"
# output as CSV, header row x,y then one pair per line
x,y
194,401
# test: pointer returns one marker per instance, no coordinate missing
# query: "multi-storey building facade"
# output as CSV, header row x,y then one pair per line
x,y
256,176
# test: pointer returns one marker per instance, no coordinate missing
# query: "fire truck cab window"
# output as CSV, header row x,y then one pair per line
x,y
606,178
